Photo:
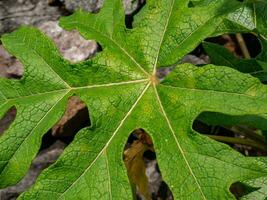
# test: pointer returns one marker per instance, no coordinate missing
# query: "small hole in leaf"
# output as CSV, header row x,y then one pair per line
x,y
7,119
190,4
253,44
129,17
233,43
239,189
10,67
196,57
143,171
229,41
71,44
244,134
74,119
225,50
163,72
99,47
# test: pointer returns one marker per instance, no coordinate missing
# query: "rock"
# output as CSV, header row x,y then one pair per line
x,y
195,60
7,119
131,5
25,12
71,44
34,12
10,67
88,5
95,5
154,177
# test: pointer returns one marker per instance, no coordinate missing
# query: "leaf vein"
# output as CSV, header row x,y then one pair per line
x,y
163,34
178,144
109,181
77,88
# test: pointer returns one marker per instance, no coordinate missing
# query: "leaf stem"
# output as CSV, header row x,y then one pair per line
x,y
243,46
242,130
241,141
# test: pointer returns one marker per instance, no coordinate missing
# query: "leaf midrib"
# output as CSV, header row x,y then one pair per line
x,y
76,88
108,174
162,37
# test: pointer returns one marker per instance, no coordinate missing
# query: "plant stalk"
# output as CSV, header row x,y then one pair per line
x,y
243,46
249,134
241,141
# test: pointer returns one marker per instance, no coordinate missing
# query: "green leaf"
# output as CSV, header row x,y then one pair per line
x,y
221,56
119,87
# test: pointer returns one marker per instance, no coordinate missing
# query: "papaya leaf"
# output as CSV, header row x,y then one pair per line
x,y
120,87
